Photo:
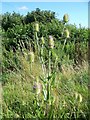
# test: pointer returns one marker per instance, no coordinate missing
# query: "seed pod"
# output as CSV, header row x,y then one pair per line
x,y
42,40
66,18
51,42
31,57
37,27
66,33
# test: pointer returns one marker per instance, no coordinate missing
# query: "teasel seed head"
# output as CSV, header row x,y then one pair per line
x,y
51,42
42,40
66,33
37,27
66,18
31,57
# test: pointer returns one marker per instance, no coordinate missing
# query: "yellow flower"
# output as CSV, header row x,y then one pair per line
x,y
37,27
51,42
66,18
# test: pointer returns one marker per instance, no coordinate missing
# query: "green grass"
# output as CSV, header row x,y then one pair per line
x,y
69,94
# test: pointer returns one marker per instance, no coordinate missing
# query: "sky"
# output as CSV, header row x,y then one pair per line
x,y
78,11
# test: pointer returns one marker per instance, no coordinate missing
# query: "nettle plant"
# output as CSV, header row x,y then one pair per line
x,y
48,72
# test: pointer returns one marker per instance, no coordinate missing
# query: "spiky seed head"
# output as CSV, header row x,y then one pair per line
x,y
31,57
37,27
66,33
66,18
51,42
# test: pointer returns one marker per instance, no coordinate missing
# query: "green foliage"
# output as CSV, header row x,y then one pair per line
x,y
10,20
54,84
40,16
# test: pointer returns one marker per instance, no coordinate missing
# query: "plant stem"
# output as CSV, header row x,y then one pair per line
x,y
42,61
49,72
37,42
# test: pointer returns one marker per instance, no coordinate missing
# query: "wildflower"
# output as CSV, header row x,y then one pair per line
x,y
66,33
37,27
31,57
51,42
66,18
42,40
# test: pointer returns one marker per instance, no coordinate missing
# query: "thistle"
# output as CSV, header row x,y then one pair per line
x,y
66,18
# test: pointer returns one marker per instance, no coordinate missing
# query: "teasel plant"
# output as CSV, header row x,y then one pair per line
x,y
65,30
65,36
65,21
48,76
51,45
42,55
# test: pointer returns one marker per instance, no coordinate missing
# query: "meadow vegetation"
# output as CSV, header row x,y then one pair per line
x,y
44,67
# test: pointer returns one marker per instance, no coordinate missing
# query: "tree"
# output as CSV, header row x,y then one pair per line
x,y
10,20
40,16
